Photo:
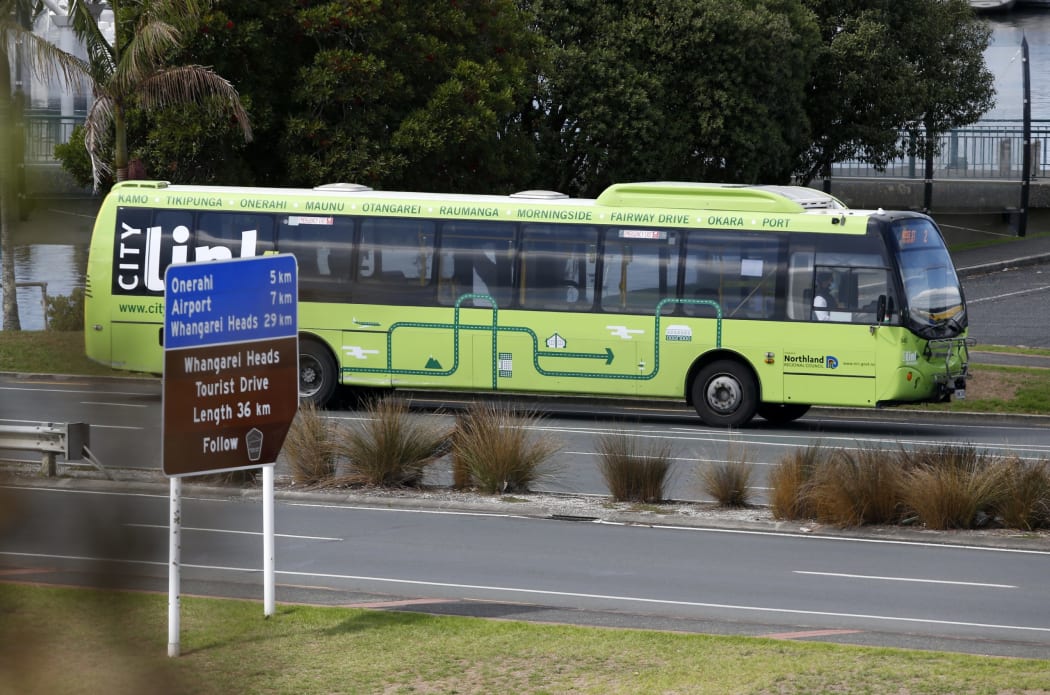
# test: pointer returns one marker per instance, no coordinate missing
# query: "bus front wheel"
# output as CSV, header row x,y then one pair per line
x,y
318,375
725,394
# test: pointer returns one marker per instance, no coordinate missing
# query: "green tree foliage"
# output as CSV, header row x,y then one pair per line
x,y
682,89
256,45
133,72
887,65
75,158
422,94
497,95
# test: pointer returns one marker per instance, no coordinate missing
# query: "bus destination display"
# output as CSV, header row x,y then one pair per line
x,y
230,363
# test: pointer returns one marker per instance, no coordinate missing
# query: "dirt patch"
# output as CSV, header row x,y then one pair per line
x,y
994,384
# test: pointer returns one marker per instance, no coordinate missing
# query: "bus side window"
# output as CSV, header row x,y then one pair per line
x,y
223,235
476,258
873,294
558,267
640,270
396,262
732,274
322,248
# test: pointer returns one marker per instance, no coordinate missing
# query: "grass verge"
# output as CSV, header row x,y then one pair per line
x,y
48,352
113,642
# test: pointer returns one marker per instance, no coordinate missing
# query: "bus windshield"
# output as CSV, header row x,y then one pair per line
x,y
933,297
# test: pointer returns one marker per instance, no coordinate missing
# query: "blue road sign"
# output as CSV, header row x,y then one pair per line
x,y
232,301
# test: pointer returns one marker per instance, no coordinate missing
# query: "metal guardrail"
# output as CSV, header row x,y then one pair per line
x,y
50,439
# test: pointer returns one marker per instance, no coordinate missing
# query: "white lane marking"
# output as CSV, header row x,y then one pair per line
x,y
1030,290
118,405
243,533
906,579
87,391
561,594
437,512
847,539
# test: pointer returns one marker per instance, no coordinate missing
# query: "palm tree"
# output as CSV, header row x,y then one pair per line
x,y
42,59
131,72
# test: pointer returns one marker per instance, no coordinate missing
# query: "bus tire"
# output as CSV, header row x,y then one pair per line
x,y
725,394
318,375
782,413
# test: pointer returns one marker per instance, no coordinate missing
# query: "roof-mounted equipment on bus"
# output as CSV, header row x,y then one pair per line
x,y
808,198
345,187
141,184
713,196
540,195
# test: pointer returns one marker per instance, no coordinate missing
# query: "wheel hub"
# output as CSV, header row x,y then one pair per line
x,y
723,394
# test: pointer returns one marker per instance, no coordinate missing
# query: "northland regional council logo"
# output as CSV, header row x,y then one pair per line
x,y
812,361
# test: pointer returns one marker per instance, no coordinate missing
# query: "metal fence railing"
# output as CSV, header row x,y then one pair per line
x,y
44,131
987,150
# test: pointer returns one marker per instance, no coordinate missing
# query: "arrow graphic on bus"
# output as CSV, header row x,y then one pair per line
x,y
607,355
456,328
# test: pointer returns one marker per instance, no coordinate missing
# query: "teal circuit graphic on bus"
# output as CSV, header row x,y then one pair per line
x,y
500,360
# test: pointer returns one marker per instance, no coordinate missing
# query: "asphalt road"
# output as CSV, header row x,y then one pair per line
x,y
870,591
1010,306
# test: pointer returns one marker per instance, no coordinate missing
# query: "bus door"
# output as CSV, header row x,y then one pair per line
x,y
831,356
392,333
475,287
638,289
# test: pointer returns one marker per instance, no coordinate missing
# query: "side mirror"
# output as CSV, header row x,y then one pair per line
x,y
880,309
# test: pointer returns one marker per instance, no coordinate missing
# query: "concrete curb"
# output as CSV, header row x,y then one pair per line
x,y
998,266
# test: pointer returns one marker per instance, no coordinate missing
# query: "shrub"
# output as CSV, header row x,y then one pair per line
x,y
74,158
1025,502
852,488
952,487
311,448
789,496
66,313
633,472
729,481
495,450
391,447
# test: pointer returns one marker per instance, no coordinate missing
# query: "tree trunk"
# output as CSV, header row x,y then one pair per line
x,y
120,142
7,198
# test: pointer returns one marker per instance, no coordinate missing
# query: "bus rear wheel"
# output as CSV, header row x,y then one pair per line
x,y
725,394
781,413
318,375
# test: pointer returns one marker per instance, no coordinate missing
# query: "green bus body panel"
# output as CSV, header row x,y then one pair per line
x,y
481,349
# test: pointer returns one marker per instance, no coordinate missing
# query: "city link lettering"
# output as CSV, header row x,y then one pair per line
x,y
138,255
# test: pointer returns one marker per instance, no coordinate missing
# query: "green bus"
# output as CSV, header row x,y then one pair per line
x,y
735,299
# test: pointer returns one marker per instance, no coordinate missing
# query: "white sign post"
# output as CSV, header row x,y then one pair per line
x,y
230,388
